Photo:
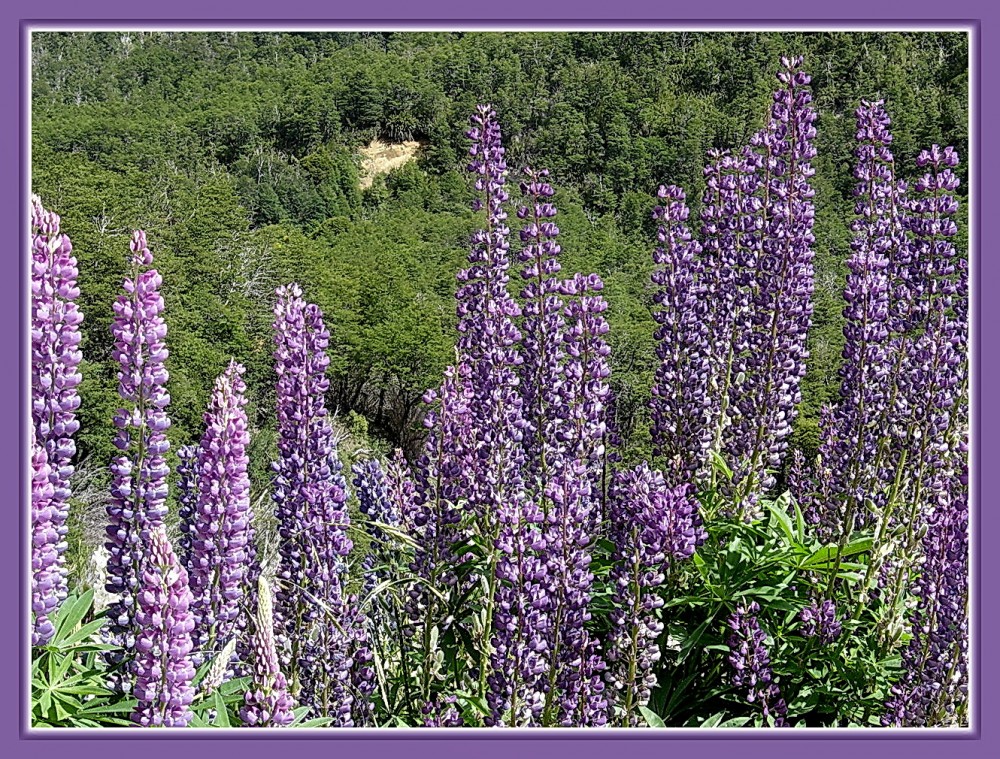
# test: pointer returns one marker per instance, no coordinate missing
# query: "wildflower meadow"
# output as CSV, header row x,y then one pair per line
x,y
520,561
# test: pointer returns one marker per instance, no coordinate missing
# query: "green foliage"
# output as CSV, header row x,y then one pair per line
x,y
775,561
68,677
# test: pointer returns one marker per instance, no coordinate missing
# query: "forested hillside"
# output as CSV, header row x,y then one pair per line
x,y
239,154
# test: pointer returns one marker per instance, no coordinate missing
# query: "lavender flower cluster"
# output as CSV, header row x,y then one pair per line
x,y
163,666
652,527
221,561
820,621
139,476
735,309
752,664
55,377
893,444
321,632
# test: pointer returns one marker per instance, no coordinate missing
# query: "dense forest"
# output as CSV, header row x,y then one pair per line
x,y
240,154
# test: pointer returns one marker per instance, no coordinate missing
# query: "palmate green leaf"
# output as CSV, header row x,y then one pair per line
x,y
198,720
780,518
126,706
735,722
714,720
81,690
237,686
677,694
73,610
826,556
477,703
651,717
82,634
691,641
221,711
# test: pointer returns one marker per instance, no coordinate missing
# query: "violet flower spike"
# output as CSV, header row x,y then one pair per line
x,y
653,527
266,702
682,433
55,378
163,667
222,559
751,664
47,544
139,474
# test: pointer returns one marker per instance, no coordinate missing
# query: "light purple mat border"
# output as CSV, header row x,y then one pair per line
x,y
982,17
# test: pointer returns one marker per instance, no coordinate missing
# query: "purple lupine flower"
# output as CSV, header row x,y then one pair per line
x,y
400,488
222,559
927,273
800,482
820,621
752,665
573,684
441,479
321,631
442,712
440,491
591,702
772,369
324,662
519,658
139,475
860,423
163,667
55,376
187,500
542,324
934,284
485,308
930,415
371,486
652,527
488,338
681,429
47,571
586,393
935,687
731,216
304,458
932,441
266,702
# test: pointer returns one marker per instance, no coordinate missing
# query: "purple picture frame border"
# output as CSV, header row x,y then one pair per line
x,y
983,19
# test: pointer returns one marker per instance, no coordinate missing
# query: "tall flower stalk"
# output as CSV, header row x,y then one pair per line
x,y
320,630
55,377
751,664
163,667
222,562
935,687
681,430
858,432
488,345
772,370
139,475
47,572
575,681
440,488
266,702
653,526
371,487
